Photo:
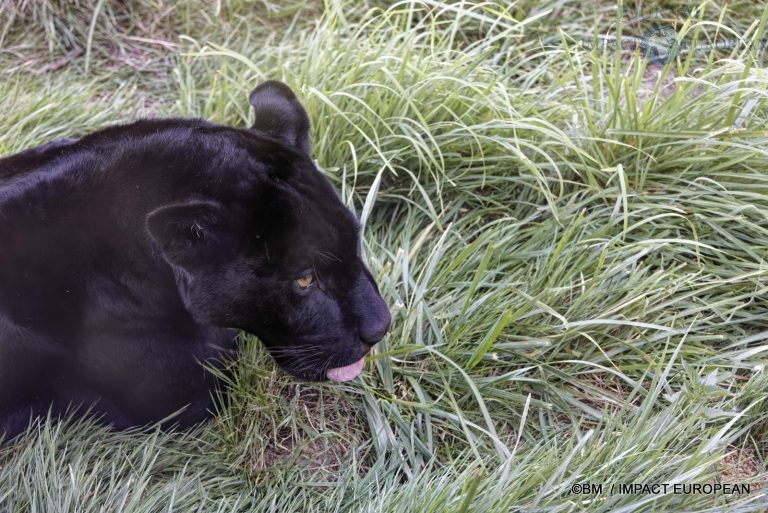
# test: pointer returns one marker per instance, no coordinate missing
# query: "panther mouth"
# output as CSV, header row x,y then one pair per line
x,y
346,373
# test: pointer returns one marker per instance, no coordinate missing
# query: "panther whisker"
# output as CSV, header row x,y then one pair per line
x,y
294,352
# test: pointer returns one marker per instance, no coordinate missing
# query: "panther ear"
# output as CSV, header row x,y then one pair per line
x,y
280,115
190,234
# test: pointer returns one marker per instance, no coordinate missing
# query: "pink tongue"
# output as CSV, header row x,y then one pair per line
x,y
346,373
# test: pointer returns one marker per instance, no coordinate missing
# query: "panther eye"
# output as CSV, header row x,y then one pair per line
x,y
305,281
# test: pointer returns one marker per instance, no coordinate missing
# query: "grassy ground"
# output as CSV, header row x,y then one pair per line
x,y
572,240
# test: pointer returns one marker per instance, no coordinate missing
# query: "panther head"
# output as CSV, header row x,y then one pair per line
x,y
281,257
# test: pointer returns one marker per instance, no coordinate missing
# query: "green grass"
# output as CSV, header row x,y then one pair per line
x,y
574,254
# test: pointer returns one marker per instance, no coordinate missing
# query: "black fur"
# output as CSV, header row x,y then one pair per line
x,y
131,255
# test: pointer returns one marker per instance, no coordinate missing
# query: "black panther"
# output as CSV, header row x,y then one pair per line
x,y
130,259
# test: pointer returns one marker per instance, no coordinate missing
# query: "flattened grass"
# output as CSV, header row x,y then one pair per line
x,y
574,255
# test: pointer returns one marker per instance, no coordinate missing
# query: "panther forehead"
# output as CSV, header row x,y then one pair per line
x,y
317,222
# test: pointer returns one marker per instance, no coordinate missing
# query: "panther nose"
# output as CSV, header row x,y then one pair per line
x,y
374,330
372,314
